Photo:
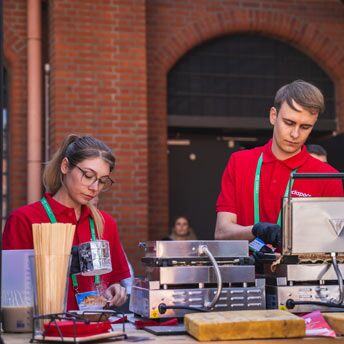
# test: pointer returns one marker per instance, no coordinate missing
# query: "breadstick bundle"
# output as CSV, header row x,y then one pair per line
x,y
52,244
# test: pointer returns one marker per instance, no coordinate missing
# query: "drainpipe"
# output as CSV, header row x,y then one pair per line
x,y
46,112
34,92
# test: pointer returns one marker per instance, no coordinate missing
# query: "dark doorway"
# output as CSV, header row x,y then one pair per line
x,y
196,164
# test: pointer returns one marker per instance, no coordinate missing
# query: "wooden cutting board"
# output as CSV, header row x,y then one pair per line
x,y
336,321
244,325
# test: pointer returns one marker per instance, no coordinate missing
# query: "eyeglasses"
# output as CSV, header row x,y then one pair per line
x,y
89,177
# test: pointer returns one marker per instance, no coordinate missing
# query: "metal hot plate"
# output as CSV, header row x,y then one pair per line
x,y
216,275
180,275
196,261
186,249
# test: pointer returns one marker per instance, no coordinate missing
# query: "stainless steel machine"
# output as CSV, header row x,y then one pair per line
x,y
184,276
308,276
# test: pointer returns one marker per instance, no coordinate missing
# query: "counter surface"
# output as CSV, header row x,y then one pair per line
x,y
143,336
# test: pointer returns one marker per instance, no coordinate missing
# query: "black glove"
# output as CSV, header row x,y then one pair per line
x,y
270,233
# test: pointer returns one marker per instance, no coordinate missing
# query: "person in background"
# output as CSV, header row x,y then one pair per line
x,y
77,173
255,180
317,152
181,230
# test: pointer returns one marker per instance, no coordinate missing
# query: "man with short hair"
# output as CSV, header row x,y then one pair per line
x,y
255,180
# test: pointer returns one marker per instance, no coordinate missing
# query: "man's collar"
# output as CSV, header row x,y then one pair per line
x,y
294,162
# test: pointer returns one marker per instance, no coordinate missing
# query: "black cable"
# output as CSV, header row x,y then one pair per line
x,y
162,308
290,304
318,175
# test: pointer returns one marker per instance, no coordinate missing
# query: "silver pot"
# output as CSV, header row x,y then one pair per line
x,y
95,258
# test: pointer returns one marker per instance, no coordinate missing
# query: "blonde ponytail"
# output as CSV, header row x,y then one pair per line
x,y
98,219
52,176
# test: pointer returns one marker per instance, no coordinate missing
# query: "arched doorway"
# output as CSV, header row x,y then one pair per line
x,y
219,95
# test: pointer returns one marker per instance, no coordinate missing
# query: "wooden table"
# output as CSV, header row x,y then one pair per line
x,y
143,336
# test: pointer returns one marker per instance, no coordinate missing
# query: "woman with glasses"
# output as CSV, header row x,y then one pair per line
x,y
77,173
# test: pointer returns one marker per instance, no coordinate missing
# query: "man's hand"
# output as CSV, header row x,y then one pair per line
x,y
270,233
116,295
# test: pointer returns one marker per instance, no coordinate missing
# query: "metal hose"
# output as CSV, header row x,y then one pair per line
x,y
203,249
340,280
290,304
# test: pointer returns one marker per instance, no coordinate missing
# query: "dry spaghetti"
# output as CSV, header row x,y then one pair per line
x,y
52,243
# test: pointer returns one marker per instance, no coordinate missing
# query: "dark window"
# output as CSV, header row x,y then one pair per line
x,y
231,82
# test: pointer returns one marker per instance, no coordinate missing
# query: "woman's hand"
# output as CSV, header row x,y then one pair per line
x,y
116,295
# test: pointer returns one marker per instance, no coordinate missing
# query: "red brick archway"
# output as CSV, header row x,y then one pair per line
x,y
304,36
165,50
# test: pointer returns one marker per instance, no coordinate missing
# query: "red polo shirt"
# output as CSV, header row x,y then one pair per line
x,y
236,194
18,235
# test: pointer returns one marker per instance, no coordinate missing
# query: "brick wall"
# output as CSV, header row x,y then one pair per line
x,y
174,27
98,61
15,46
109,61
